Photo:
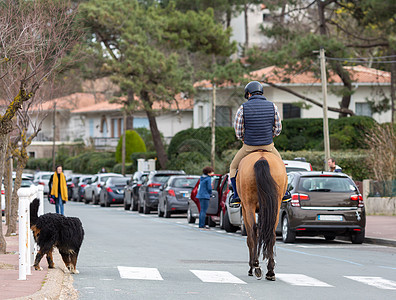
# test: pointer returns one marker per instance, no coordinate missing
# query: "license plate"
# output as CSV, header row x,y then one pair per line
x,y
186,195
330,218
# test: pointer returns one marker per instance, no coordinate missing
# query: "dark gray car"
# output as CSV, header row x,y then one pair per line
x,y
148,192
174,195
322,203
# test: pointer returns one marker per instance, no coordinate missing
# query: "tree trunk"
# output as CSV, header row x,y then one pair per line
x,y
245,10
393,86
159,146
3,152
12,227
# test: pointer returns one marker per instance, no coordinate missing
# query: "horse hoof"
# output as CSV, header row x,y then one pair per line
x,y
270,278
257,273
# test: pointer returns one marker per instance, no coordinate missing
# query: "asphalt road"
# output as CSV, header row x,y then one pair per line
x,y
126,255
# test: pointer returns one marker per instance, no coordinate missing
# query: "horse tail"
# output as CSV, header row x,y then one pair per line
x,y
267,190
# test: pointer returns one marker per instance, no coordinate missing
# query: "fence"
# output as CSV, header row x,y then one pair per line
x,y
382,188
27,247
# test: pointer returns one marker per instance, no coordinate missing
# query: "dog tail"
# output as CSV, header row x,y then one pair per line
x,y
34,206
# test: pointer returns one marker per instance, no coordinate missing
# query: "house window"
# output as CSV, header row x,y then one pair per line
x,y
223,116
91,127
363,109
291,111
140,122
32,154
103,126
200,115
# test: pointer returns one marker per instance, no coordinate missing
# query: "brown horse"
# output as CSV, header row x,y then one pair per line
x,y
261,184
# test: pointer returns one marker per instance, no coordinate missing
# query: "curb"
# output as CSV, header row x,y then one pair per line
x,y
380,241
58,283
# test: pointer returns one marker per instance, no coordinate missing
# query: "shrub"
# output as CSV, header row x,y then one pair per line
x,y
44,164
225,139
90,162
129,168
190,162
134,143
145,134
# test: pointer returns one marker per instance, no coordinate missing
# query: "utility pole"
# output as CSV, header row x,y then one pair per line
x,y
53,137
123,152
325,119
212,152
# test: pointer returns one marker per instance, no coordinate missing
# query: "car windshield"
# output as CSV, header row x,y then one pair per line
x,y
294,169
161,178
326,184
119,181
184,182
46,177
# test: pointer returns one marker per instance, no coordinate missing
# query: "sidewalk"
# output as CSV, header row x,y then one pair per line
x,y
45,284
58,283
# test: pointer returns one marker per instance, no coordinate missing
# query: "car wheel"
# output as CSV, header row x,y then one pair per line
x,y
86,201
221,219
134,203
358,238
146,209
126,205
159,212
227,224
288,236
140,208
106,200
190,218
167,212
329,237
243,227
94,200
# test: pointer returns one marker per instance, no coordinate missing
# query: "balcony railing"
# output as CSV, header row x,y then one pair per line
x,y
104,143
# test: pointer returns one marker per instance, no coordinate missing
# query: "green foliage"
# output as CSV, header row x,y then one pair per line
x,y
190,162
129,168
307,134
186,140
90,162
43,164
147,137
134,143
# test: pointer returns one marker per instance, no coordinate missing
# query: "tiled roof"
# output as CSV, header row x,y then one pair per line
x,y
277,75
73,101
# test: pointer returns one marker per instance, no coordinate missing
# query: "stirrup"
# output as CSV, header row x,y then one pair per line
x,y
235,202
287,196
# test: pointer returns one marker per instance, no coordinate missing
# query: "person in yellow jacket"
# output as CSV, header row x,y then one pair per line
x,y
58,189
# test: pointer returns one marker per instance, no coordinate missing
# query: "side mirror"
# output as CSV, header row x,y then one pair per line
x,y
161,188
128,181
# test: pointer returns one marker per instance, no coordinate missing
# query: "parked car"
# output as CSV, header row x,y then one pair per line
x,y
232,220
72,183
131,193
112,191
297,165
92,191
322,203
220,187
79,191
43,179
148,192
174,194
2,199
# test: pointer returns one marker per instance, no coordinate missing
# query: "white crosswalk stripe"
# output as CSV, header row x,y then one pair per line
x,y
139,273
217,276
301,280
377,282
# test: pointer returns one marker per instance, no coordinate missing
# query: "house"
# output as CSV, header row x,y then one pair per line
x,y
368,83
98,122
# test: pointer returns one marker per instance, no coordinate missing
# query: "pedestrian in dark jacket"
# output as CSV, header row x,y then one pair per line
x,y
204,193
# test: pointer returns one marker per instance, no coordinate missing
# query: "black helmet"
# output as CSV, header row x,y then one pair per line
x,y
253,87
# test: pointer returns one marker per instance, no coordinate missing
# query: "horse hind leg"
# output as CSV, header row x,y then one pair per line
x,y
251,229
271,262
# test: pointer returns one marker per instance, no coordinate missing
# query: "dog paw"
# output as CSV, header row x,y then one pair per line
x,y
75,272
38,268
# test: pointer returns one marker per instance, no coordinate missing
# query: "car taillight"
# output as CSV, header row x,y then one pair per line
x,y
42,183
296,198
154,185
359,198
171,193
2,192
98,185
109,190
72,185
139,184
310,167
83,185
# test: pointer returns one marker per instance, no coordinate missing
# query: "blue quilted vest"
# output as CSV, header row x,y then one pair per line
x,y
259,118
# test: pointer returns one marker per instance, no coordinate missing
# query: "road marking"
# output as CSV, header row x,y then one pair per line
x,y
377,282
301,280
139,273
217,276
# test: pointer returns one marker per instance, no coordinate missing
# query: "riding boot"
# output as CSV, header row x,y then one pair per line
x,y
235,201
287,196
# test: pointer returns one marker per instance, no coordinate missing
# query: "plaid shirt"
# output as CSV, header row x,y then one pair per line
x,y
239,127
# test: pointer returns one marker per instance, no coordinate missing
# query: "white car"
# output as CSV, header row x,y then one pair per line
x,y
232,219
43,179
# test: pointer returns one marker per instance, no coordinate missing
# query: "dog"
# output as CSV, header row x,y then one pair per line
x,y
54,230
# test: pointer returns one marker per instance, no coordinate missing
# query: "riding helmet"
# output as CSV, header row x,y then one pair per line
x,y
253,87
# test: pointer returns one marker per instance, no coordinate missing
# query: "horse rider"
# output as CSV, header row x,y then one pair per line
x,y
257,121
